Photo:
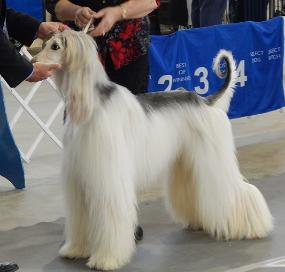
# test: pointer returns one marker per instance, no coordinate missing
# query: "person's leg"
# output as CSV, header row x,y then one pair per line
x,y
256,10
154,23
195,13
10,160
133,76
236,12
264,9
212,12
240,11
178,12
189,8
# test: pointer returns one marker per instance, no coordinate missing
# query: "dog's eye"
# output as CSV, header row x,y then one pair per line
x,y
55,46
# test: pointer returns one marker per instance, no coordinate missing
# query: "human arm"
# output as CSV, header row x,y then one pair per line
x,y
25,28
15,68
65,10
131,9
21,27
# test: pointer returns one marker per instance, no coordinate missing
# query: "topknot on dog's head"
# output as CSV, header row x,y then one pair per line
x,y
72,34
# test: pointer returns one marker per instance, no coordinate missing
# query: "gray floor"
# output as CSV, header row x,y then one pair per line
x,y
166,247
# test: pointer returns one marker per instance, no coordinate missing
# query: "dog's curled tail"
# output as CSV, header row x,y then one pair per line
x,y
223,96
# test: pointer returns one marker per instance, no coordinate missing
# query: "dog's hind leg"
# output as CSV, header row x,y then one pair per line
x,y
75,245
180,195
227,206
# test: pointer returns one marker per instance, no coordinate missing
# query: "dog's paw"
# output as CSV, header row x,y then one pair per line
x,y
104,264
194,228
72,252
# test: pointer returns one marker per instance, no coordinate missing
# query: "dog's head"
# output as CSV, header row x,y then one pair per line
x,y
53,50
71,49
81,68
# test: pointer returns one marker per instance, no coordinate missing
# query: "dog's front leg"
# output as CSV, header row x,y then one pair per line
x,y
75,245
112,213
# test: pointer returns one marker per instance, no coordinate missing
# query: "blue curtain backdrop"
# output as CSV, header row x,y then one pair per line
x,y
34,8
184,59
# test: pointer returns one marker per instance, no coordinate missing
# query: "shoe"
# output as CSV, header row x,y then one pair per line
x,y
8,267
138,234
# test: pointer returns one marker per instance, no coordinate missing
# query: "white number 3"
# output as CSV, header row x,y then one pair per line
x,y
203,79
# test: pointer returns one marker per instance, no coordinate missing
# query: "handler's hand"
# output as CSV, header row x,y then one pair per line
x,y
42,71
108,17
47,29
83,16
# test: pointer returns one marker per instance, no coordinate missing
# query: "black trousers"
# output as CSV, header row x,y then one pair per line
x,y
178,12
255,10
248,10
133,76
207,12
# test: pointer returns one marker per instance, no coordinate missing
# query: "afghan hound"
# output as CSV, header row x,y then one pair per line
x,y
116,143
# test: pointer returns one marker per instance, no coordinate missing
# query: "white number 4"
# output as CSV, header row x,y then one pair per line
x,y
242,78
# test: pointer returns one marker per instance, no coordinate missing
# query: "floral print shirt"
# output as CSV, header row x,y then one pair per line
x,y
125,42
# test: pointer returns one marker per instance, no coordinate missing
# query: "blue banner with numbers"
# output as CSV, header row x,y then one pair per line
x,y
184,59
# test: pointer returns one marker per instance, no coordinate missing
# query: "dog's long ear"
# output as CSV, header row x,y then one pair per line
x,y
79,62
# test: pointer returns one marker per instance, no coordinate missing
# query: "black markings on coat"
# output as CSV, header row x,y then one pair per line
x,y
106,90
159,100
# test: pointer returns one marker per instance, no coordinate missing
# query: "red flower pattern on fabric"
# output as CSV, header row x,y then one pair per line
x,y
126,42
